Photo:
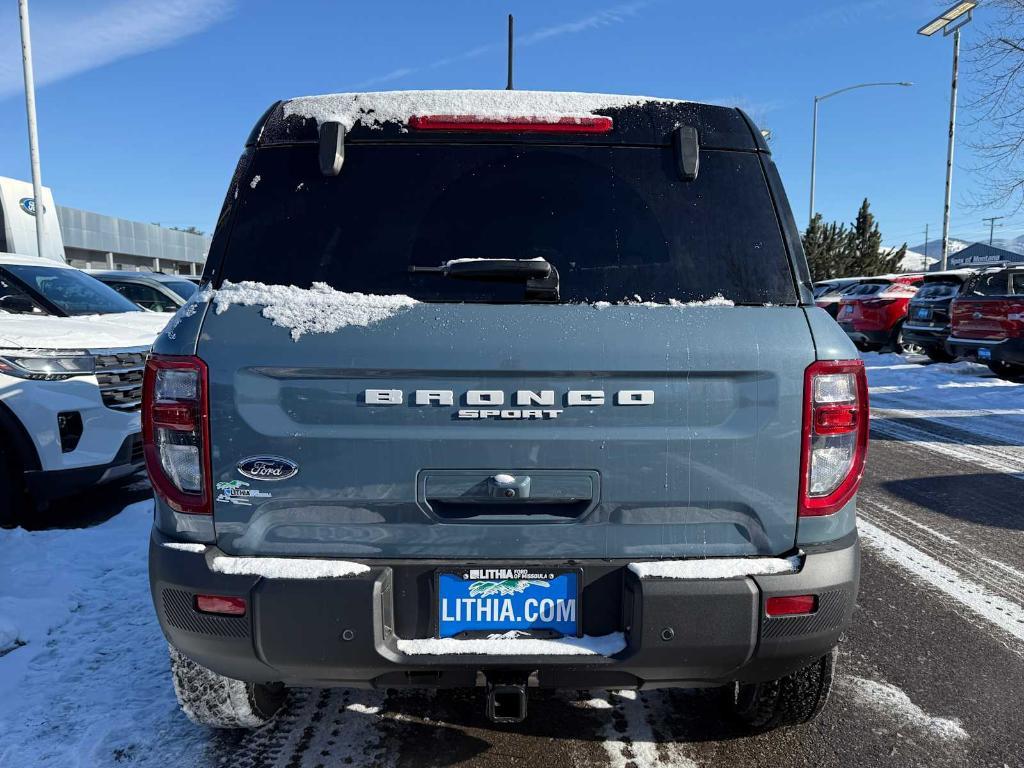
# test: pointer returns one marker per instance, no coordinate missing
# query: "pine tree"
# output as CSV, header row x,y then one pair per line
x,y
834,251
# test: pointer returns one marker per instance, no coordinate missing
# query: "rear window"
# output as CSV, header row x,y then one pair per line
x,y
939,290
996,284
183,288
865,289
616,222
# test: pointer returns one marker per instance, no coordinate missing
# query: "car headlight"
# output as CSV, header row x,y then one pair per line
x,y
46,364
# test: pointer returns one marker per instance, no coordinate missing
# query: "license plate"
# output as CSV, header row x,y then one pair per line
x,y
923,314
518,601
984,354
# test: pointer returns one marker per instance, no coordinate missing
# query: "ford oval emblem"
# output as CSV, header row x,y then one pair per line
x,y
267,468
28,205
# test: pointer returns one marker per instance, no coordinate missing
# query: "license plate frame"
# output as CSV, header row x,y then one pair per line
x,y
502,591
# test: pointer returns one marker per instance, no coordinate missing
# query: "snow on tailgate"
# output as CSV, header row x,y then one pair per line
x,y
376,109
319,309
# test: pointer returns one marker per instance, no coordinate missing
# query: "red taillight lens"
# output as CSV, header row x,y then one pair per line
x,y
222,604
791,605
524,124
175,432
835,435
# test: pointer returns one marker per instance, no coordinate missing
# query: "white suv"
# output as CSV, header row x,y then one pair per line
x,y
72,352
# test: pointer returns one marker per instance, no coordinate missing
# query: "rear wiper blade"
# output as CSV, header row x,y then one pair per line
x,y
539,275
500,270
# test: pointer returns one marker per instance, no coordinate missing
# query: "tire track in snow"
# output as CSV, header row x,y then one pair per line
x,y
998,611
633,739
944,442
993,574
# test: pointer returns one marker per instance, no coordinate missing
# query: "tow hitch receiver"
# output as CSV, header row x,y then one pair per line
x,y
506,699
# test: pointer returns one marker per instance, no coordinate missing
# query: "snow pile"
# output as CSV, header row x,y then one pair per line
x,y
285,567
715,301
182,546
319,309
376,109
895,704
715,568
122,330
603,645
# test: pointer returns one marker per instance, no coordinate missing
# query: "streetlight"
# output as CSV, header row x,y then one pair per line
x,y
814,131
950,22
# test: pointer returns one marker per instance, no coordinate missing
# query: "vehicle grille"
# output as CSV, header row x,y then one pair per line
x,y
120,379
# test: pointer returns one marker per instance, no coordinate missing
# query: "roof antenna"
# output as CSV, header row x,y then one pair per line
x,y
510,27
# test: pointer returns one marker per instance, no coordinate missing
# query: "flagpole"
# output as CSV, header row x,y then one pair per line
x,y
30,108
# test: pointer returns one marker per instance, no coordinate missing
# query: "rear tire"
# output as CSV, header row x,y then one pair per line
x,y
221,702
939,355
1008,372
792,700
901,347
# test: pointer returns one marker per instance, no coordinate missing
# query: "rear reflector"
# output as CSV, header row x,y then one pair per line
x,y
226,606
793,605
524,124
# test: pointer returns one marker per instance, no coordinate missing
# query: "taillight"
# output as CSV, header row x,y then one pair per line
x,y
526,124
835,435
175,433
1015,319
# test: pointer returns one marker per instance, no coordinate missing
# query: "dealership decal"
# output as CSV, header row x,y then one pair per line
x,y
238,492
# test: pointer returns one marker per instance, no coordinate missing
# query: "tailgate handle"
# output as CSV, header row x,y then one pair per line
x,y
508,489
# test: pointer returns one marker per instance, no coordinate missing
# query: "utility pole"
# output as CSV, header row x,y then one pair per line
x,y
992,226
30,109
949,149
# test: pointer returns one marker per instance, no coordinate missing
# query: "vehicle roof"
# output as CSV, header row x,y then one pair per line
x,y
385,115
945,275
17,258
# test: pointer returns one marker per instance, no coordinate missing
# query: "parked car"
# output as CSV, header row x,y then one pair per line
x,y
71,360
928,314
150,290
828,293
872,313
487,441
988,322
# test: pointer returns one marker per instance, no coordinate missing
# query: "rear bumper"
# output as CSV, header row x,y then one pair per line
x,y
925,336
49,484
344,631
1003,351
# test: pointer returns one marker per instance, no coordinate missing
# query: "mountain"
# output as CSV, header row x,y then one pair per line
x,y
1014,244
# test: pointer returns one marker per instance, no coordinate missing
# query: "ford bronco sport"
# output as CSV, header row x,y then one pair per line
x,y
508,390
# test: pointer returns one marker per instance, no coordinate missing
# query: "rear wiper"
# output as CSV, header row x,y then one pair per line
x,y
540,275
501,270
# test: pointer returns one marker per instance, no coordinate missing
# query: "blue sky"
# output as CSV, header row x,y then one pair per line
x,y
144,104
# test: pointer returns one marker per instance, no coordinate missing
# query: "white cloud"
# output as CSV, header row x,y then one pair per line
x,y
67,42
603,18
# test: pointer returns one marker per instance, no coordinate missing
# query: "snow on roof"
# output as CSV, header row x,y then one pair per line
x,y
376,109
715,567
285,567
509,645
320,309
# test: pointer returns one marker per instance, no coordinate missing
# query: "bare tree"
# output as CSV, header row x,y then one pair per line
x,y
996,103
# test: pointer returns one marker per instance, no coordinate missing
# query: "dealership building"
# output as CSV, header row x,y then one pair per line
x,y
93,240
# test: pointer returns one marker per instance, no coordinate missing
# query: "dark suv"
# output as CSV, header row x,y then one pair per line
x,y
928,314
504,389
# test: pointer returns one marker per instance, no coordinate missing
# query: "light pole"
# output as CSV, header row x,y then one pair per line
x,y
814,131
30,109
950,22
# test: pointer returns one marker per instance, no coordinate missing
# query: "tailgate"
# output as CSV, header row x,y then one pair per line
x,y
710,467
984,319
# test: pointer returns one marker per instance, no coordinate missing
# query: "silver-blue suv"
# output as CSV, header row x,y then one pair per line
x,y
504,390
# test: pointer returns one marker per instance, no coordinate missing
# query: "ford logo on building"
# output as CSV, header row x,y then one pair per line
x,y
28,205
267,468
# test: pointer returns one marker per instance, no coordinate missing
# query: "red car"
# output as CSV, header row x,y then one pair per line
x,y
873,312
988,322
